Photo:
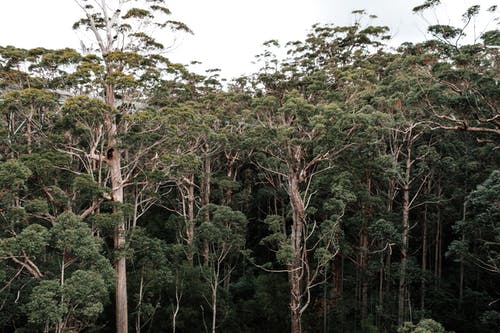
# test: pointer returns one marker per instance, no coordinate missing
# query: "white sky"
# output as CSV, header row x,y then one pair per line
x,y
228,33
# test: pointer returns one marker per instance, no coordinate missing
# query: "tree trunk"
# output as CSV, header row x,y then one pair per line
x,y
231,174
121,264
424,261
207,175
462,267
367,212
295,266
363,263
190,217
205,197
139,303
437,248
179,287
28,130
380,287
113,160
405,235
214,303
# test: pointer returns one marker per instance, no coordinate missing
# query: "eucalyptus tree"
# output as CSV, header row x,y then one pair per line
x,y
478,230
220,236
308,116
28,111
298,141
463,92
129,53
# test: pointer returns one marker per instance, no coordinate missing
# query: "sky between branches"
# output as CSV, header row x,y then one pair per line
x,y
229,33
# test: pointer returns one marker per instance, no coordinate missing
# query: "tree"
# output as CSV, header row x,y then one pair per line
x,y
479,230
467,98
220,236
299,141
73,297
423,326
124,46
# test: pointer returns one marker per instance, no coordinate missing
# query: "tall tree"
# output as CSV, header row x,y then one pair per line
x,y
119,29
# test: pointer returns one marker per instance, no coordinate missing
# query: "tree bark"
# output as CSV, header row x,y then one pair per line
x,y
367,212
405,234
424,261
188,187
295,266
363,263
113,160
119,245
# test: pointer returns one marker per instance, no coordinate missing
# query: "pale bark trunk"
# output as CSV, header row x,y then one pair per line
x,y
214,304
190,217
139,303
295,266
113,160
60,325
205,198
206,181
28,130
178,296
438,249
405,235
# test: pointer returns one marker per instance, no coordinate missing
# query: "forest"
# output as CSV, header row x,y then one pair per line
x,y
346,186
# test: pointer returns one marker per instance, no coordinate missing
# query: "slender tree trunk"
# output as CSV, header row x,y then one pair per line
x,y
214,304
388,283
207,176
231,174
338,276
205,197
405,235
60,325
325,304
189,188
438,248
28,130
387,273
462,267
179,287
139,303
424,261
363,262
367,212
380,287
295,266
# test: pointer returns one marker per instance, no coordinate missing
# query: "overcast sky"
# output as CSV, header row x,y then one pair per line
x,y
228,33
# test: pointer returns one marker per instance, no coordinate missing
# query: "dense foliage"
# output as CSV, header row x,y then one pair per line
x,y
348,187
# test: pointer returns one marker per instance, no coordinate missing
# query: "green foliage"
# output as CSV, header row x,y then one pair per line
x,y
224,229
480,230
319,137
491,38
13,175
423,326
86,292
45,307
